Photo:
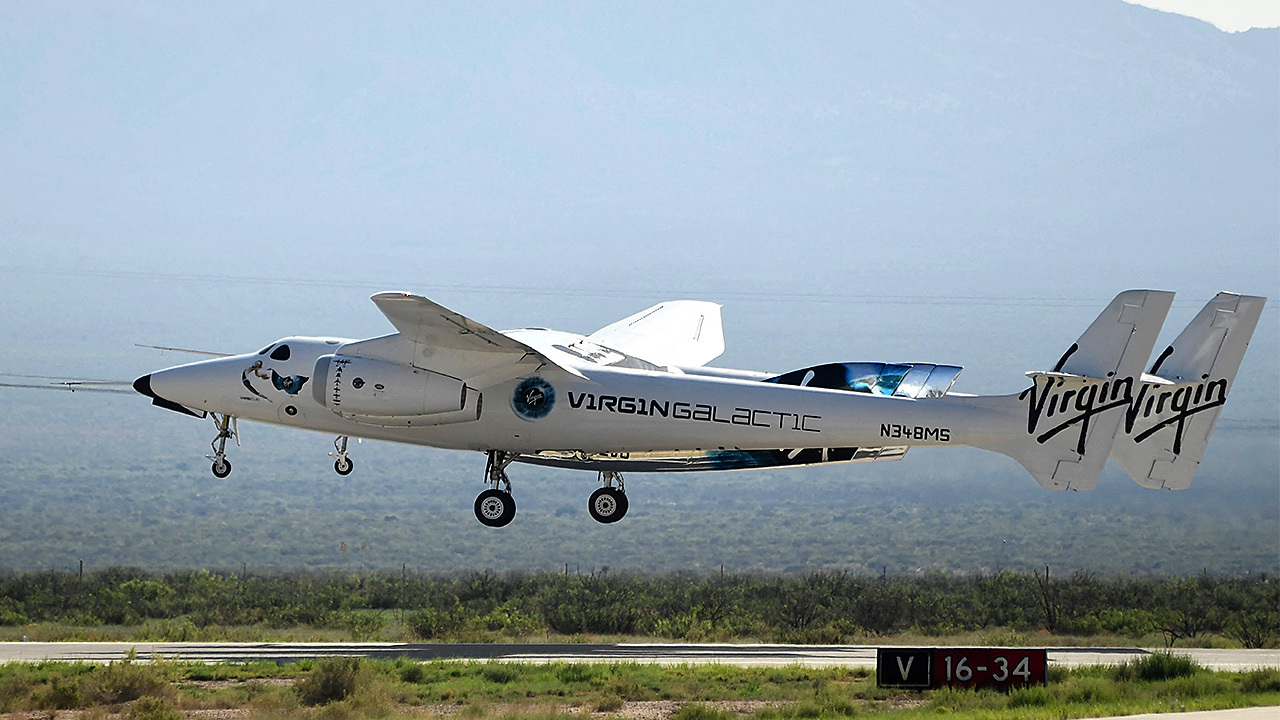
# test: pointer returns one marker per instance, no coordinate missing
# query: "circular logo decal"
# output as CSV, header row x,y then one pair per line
x,y
533,398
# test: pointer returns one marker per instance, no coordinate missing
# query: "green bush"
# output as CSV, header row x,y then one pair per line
x,y
150,707
576,673
498,673
412,672
1156,666
1260,681
123,681
1090,691
361,625
331,679
1034,696
61,693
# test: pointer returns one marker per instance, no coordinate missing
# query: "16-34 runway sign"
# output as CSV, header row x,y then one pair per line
x,y
927,668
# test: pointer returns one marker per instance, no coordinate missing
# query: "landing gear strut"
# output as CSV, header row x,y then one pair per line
x,y
609,503
495,507
227,429
342,464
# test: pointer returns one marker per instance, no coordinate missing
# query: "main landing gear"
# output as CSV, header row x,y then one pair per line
x,y
227,429
342,464
609,503
495,507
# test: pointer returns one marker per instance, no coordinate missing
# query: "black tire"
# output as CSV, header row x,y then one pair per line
x,y
495,508
344,466
607,505
222,468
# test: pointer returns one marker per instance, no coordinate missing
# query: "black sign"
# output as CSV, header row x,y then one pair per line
x,y
904,668
927,668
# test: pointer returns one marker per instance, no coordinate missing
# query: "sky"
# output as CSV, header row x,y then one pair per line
x,y
930,181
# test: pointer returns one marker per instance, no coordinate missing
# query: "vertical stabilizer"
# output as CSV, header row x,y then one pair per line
x,y
1073,412
1167,426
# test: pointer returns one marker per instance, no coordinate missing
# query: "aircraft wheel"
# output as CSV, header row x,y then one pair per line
x,y
221,468
607,505
343,466
495,508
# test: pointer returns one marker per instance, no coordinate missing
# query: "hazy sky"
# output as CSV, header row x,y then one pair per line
x,y
931,180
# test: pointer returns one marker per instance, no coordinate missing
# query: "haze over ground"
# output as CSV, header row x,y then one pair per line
x,y
932,181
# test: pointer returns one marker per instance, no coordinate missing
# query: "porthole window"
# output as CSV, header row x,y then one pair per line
x,y
281,353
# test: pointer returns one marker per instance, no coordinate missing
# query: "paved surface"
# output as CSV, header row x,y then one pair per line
x,y
743,655
1256,713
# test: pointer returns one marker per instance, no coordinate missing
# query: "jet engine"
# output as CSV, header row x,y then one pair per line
x,y
377,392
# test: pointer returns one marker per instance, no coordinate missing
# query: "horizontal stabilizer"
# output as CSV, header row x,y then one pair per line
x,y
1172,414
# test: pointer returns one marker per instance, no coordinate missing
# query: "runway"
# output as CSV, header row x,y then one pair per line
x,y
666,654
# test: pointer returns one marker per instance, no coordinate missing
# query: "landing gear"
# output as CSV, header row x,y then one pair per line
x,y
609,503
495,507
342,464
227,429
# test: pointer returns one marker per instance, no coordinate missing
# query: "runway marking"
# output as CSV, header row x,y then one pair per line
x,y
663,654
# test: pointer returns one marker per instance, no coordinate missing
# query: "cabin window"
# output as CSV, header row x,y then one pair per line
x,y
266,349
281,353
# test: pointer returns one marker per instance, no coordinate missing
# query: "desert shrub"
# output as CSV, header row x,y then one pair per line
x,y
499,673
628,689
1156,666
1260,681
1034,696
412,672
123,681
331,679
61,693
430,623
150,707
698,711
608,703
575,673
361,625
1090,690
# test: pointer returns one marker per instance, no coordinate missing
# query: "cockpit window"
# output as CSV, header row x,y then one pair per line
x,y
281,353
266,349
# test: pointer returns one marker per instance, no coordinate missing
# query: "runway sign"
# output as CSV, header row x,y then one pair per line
x,y
928,668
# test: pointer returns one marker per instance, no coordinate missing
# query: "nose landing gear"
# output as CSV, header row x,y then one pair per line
x,y
495,507
227,429
609,503
342,464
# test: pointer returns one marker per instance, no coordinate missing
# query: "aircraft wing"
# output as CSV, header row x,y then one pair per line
x,y
685,333
454,344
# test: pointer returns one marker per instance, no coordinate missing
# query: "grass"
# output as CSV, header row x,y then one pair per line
x,y
341,688
391,626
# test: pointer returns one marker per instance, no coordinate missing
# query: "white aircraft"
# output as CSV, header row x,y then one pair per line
x,y
638,396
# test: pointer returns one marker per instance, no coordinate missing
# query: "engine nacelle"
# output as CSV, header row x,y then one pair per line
x,y
356,387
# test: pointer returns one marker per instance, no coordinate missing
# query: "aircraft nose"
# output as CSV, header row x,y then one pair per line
x,y
143,386
182,389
